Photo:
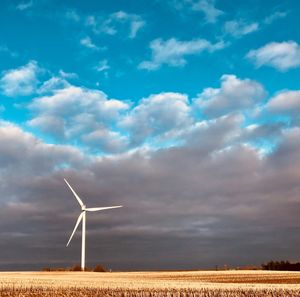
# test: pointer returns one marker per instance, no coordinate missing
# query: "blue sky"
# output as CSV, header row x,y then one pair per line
x,y
128,94
128,51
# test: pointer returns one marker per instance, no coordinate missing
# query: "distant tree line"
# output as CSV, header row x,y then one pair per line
x,y
98,268
281,265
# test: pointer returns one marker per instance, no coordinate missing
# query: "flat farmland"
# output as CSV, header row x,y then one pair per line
x,y
187,283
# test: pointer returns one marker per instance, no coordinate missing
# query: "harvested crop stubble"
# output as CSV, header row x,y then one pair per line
x,y
151,284
101,292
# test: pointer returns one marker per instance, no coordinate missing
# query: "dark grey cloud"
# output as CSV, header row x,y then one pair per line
x,y
212,201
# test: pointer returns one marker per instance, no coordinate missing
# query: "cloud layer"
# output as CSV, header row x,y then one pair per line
x,y
209,197
234,95
280,55
238,28
89,119
172,51
21,81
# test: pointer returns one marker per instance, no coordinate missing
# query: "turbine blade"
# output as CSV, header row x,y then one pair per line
x,y
77,223
76,196
102,208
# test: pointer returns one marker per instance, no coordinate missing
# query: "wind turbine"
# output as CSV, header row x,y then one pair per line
x,y
82,217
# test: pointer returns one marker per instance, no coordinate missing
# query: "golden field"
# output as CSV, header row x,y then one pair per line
x,y
187,283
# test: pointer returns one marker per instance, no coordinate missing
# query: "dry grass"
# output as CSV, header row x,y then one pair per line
x,y
155,284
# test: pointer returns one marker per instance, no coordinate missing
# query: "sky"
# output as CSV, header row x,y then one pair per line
x,y
186,112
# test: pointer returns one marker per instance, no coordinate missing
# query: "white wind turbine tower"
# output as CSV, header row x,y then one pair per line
x,y
82,217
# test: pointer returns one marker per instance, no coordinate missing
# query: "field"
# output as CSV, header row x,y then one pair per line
x,y
144,284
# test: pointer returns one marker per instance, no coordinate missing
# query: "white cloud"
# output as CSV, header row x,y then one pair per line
x,y
286,103
99,25
68,113
53,84
280,55
69,75
275,16
135,21
71,99
157,115
172,52
72,112
234,95
24,5
87,116
238,28
208,8
5,50
102,66
115,22
87,42
72,15
56,83
106,140
49,124
21,81
135,26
